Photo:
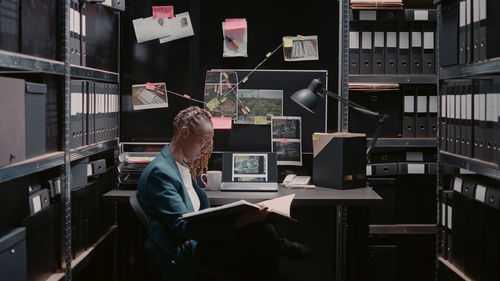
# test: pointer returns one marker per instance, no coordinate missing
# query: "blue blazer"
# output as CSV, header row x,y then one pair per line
x,y
162,194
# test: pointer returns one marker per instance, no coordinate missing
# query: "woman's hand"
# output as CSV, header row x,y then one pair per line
x,y
251,217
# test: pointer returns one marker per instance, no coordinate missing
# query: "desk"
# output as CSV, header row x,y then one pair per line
x,y
351,206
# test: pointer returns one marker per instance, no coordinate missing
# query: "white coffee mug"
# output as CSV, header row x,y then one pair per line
x,y
213,180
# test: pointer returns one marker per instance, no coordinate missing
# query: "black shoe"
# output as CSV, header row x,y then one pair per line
x,y
295,250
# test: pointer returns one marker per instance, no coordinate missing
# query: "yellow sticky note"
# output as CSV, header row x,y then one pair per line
x,y
215,89
244,80
300,37
223,100
269,114
268,54
248,109
287,42
225,75
211,105
260,120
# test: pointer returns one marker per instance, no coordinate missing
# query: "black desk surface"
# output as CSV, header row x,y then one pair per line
x,y
319,196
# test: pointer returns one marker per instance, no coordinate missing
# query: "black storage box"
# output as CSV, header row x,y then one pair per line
x,y
39,28
339,160
42,242
9,25
35,109
12,144
13,255
79,173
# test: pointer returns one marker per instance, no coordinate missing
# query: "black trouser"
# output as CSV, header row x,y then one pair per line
x,y
252,255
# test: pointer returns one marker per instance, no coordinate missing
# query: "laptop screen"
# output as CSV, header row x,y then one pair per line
x,y
249,167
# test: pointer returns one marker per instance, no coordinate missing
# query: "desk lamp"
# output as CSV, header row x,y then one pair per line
x,y
308,98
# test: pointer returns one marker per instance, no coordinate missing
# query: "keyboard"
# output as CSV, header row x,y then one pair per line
x,y
249,186
149,98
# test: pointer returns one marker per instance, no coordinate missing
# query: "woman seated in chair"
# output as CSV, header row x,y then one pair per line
x,y
248,247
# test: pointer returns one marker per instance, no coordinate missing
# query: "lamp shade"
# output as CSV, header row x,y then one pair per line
x,y
308,98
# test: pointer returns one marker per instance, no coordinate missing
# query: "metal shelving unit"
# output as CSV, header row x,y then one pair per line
x,y
403,229
453,269
488,67
404,142
395,78
81,261
21,62
51,160
16,63
487,169
11,62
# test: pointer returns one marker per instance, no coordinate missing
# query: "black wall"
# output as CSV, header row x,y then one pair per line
x,y
182,64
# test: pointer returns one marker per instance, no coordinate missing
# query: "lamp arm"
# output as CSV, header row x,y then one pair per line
x,y
380,118
354,105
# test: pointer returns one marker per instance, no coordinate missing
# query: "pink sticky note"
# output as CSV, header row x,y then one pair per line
x,y
235,24
227,84
244,111
160,92
187,96
284,140
163,12
222,123
150,86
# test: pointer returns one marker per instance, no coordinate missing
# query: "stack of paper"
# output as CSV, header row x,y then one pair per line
x,y
377,4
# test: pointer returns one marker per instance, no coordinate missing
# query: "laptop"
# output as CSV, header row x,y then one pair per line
x,y
251,171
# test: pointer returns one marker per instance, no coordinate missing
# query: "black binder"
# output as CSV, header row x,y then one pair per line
x,y
448,34
99,90
490,124
483,29
91,113
475,30
416,49
428,59
366,49
75,33
483,91
432,117
497,126
460,116
404,49
462,32
458,225
409,112
85,129
354,46
450,100
449,218
421,113
378,49
9,25
83,41
477,85
468,120
73,113
443,118
391,49
468,23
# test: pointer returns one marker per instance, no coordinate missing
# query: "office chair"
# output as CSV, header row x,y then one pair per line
x,y
152,265
149,251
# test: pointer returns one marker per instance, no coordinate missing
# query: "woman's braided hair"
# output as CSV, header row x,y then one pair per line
x,y
192,117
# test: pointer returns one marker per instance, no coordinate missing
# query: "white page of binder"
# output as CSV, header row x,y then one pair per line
x,y
482,10
457,184
404,40
429,40
480,193
433,104
366,42
461,18
416,168
354,40
468,115
391,39
379,39
422,104
421,15
409,104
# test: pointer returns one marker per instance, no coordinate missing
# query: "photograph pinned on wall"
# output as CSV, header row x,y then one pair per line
x,y
147,29
234,33
257,107
149,96
180,27
251,166
220,94
286,136
300,48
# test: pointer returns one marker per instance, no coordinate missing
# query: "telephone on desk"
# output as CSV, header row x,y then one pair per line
x,y
294,181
